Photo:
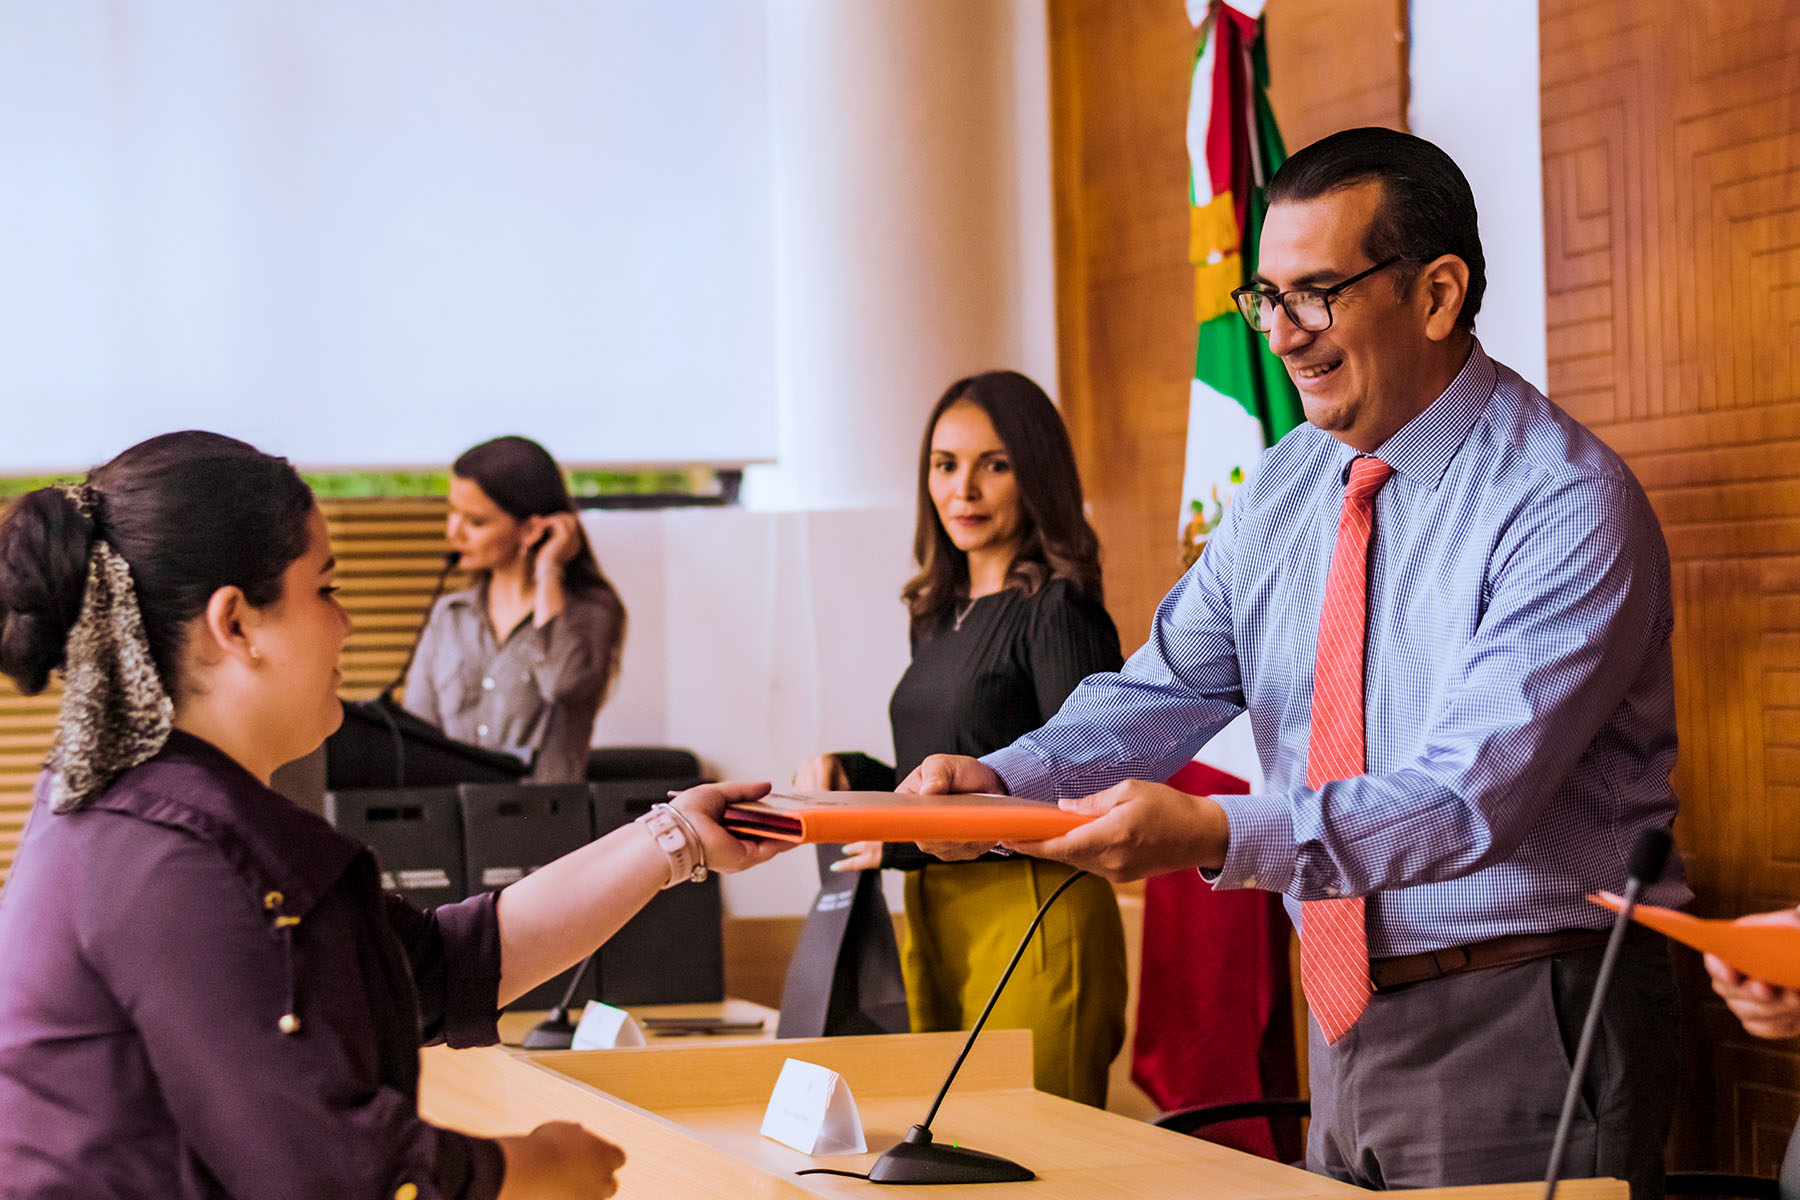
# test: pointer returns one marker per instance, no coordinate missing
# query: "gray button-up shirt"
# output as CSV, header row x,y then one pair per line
x,y
533,694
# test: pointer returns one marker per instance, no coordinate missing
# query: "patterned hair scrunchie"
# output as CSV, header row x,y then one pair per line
x,y
115,713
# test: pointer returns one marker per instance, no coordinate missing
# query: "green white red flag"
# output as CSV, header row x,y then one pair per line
x,y
1241,399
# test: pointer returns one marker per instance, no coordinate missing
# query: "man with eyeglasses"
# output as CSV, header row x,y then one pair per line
x,y
1446,606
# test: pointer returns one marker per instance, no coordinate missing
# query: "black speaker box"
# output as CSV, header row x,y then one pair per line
x,y
512,829
416,834
673,951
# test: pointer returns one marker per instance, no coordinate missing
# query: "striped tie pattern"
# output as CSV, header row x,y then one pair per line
x,y
1334,945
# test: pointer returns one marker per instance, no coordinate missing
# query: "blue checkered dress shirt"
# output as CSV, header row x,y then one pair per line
x,y
1519,683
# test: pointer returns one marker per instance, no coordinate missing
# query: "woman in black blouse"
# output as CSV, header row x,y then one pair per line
x,y
1006,621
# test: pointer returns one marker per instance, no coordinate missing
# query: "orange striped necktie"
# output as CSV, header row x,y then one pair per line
x,y
1334,944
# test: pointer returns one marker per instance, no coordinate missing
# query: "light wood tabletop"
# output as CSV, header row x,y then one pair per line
x,y
688,1114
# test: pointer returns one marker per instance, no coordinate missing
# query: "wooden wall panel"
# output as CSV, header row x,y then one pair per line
x,y
1672,227
389,554
26,726
1336,66
1119,76
1119,72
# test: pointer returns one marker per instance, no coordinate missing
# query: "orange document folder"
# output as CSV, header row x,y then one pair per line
x,y
1760,947
799,816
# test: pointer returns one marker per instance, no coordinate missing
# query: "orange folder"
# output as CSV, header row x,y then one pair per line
x,y
1755,946
799,816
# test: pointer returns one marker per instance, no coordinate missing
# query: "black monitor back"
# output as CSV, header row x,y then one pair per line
x,y
673,951
416,834
512,829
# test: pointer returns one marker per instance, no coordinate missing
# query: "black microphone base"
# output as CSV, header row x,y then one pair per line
x,y
555,1032
920,1162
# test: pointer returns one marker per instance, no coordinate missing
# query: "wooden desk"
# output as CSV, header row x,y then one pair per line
x,y
688,1114
515,1025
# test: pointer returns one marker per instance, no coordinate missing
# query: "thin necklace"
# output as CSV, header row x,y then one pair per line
x,y
962,613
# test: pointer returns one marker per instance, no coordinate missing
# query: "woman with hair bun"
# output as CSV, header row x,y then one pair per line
x,y
521,660
204,991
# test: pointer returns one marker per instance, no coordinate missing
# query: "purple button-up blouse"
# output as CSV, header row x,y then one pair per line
x,y
151,944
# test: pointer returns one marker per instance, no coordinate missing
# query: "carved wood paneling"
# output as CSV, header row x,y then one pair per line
x,y
1672,228
389,553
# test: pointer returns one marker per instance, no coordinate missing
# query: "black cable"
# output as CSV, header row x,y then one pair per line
x,y
379,705
995,996
450,560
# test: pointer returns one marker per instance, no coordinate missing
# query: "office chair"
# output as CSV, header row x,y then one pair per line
x,y
1279,1112
1678,1183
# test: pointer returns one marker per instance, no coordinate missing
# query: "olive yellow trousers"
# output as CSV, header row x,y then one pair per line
x,y
963,922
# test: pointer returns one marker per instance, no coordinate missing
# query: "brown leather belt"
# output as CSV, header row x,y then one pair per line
x,y
1388,973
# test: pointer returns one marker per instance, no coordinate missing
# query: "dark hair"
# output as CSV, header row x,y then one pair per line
x,y
189,513
1057,542
1427,209
520,476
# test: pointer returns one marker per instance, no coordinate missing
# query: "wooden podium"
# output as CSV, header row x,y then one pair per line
x,y
688,1115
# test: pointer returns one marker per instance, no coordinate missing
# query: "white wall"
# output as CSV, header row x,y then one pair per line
x,y
1475,93
913,246
757,640
408,218
913,230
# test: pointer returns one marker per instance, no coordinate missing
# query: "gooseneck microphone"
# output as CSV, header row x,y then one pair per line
x,y
451,558
917,1159
383,707
1645,867
556,1031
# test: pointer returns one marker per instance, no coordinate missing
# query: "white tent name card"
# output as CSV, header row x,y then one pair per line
x,y
604,1027
812,1111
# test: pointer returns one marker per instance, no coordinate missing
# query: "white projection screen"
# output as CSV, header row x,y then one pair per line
x,y
369,233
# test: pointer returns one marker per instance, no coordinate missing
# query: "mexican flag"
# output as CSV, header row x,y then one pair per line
x,y
1241,399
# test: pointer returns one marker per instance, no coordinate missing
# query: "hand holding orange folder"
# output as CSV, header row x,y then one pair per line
x,y
1764,946
801,816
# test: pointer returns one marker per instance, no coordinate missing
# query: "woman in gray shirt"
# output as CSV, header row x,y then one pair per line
x,y
520,661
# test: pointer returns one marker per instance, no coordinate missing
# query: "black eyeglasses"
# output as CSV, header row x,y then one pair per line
x,y
1307,308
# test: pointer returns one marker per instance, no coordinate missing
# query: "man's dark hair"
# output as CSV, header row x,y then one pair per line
x,y
1427,209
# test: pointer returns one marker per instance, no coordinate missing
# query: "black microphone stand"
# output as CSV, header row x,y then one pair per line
x,y
918,1159
556,1031
383,705
1647,858
451,558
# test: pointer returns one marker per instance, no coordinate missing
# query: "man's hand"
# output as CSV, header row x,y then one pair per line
x,y
1144,829
1766,1010
947,774
944,774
